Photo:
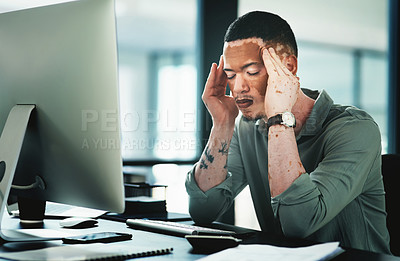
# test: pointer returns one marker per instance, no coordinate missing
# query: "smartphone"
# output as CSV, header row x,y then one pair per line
x,y
101,237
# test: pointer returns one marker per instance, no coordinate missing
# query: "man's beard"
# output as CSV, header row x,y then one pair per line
x,y
255,118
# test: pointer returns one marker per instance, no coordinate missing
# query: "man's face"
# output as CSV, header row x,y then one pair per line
x,y
247,76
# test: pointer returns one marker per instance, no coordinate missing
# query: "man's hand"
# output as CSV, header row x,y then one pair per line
x,y
284,164
283,86
212,167
222,107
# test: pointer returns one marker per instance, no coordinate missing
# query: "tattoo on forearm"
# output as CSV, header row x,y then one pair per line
x,y
224,148
203,164
207,153
208,158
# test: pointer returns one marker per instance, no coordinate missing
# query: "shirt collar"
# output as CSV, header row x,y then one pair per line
x,y
261,126
319,112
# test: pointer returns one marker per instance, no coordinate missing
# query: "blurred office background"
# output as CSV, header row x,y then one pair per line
x,y
343,48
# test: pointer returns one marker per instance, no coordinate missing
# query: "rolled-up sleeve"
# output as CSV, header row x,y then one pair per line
x,y
315,198
206,207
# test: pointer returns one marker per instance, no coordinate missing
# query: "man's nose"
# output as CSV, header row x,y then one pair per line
x,y
241,85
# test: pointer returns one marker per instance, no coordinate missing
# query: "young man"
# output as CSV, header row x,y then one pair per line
x,y
313,167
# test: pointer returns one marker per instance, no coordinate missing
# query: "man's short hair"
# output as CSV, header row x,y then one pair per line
x,y
271,28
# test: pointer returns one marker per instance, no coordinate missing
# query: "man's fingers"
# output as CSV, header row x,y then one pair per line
x,y
268,62
211,78
221,63
216,81
211,75
220,68
221,75
276,61
282,69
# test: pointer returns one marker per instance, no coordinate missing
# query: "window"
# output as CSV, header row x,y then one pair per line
x,y
158,86
177,94
351,76
326,68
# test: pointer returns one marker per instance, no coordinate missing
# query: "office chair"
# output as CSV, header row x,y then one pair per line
x,y
391,180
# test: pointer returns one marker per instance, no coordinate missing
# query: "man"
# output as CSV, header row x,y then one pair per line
x,y
313,167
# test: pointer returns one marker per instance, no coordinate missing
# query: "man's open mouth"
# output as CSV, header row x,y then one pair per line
x,y
244,103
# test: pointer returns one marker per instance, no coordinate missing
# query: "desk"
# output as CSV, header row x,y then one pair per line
x,y
182,249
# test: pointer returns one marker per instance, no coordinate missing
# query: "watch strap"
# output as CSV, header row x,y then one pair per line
x,y
274,120
279,119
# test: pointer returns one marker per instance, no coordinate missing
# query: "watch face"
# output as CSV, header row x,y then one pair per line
x,y
288,119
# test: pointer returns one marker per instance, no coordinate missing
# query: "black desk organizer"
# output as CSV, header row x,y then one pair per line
x,y
140,202
140,199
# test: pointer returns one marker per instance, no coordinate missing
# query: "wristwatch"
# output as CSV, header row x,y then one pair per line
x,y
287,118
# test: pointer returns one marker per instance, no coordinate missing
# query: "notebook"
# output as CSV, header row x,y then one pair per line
x,y
98,251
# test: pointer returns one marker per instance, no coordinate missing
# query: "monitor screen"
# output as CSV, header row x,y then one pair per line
x,y
63,59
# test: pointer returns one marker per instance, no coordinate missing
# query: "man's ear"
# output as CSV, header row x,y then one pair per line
x,y
291,63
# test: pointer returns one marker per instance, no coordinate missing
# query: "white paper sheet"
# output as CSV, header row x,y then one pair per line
x,y
323,251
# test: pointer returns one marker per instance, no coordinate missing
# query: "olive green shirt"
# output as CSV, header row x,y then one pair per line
x,y
340,198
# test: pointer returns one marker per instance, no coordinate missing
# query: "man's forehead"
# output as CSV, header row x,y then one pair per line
x,y
241,42
245,47
240,52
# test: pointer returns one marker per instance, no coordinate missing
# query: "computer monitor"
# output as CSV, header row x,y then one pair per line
x,y
60,61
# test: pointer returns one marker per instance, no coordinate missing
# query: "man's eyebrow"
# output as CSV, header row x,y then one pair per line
x,y
243,67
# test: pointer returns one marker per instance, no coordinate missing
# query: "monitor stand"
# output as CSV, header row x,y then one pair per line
x,y
11,141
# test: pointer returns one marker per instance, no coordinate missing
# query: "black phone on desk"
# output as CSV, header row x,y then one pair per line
x,y
100,237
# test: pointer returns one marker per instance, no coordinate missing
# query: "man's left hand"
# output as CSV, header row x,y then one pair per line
x,y
283,86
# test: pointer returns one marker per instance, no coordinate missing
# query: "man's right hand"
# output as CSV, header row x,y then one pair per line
x,y
212,167
222,107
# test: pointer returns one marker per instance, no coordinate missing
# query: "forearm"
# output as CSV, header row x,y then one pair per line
x,y
215,200
284,164
212,167
347,167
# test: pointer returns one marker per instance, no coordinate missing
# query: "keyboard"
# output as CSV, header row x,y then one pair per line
x,y
174,228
